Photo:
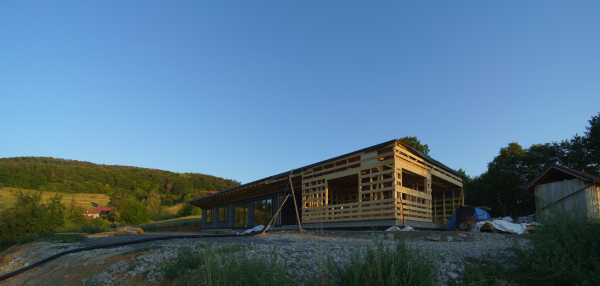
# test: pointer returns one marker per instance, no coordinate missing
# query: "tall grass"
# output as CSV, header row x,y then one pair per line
x,y
379,265
563,250
399,265
213,267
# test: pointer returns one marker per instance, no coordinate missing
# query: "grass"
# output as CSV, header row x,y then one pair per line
x,y
87,201
207,267
50,237
564,250
155,226
380,265
230,265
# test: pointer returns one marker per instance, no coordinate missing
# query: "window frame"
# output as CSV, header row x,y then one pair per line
x,y
224,212
211,216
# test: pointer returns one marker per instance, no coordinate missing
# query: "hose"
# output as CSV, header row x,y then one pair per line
x,y
6,276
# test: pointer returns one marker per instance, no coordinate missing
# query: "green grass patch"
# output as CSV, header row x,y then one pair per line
x,y
206,267
380,265
226,249
50,237
190,220
563,250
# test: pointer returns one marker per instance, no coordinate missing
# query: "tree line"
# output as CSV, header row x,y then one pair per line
x,y
128,186
500,187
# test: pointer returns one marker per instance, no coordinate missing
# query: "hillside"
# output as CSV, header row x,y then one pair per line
x,y
72,176
86,201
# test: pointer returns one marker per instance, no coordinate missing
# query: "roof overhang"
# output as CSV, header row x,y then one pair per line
x,y
277,182
555,173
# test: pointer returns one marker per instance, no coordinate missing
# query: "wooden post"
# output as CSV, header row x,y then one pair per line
x,y
295,205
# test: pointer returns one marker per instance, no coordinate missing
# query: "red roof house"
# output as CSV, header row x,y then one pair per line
x,y
210,192
97,211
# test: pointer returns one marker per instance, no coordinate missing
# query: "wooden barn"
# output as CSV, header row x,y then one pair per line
x,y
568,189
383,185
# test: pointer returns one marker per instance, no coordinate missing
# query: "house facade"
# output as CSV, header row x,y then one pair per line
x,y
383,185
96,212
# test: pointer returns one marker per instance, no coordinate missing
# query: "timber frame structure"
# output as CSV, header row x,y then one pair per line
x,y
387,184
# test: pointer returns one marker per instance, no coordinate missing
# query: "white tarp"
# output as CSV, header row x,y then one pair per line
x,y
395,228
503,225
254,229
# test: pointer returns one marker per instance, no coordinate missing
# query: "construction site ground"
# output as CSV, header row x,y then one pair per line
x,y
305,253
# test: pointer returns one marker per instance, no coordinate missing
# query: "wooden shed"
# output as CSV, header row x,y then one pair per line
x,y
383,185
568,189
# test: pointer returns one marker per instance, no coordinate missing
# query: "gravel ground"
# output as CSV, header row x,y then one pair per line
x,y
304,253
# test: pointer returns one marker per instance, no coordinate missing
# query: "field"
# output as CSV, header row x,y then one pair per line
x,y
87,201
190,220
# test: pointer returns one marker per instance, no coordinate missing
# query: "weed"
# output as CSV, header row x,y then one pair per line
x,y
385,266
562,251
186,260
229,249
144,249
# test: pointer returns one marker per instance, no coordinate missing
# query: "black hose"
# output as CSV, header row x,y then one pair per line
x,y
6,276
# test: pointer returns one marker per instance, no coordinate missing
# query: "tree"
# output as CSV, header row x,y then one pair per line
x,y
415,143
134,213
591,143
188,210
500,188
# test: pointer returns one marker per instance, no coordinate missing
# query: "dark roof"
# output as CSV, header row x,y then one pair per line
x,y
365,150
570,174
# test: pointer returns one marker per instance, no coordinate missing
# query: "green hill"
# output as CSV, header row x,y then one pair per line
x,y
71,176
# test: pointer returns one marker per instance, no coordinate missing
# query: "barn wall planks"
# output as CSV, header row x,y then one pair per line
x,y
586,202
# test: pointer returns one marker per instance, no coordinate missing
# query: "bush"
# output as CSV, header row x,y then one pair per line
x,y
29,215
134,213
563,250
188,210
384,266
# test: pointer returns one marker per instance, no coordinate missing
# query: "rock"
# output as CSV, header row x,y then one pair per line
x,y
452,275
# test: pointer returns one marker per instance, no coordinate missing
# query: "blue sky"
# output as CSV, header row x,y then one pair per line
x,y
247,89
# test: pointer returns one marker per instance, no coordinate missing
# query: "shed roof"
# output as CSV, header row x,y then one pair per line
x,y
554,173
300,169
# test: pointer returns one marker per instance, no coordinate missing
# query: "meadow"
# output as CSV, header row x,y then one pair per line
x,y
87,201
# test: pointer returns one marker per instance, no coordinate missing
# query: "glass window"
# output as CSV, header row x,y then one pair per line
x,y
209,215
241,215
223,214
262,212
259,213
268,207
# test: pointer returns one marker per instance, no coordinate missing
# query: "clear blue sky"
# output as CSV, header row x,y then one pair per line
x,y
248,89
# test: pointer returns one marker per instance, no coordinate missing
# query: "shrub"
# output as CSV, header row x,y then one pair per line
x,y
563,250
134,213
384,266
29,215
188,210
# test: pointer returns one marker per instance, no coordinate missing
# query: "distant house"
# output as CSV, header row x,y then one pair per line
x,y
88,217
210,192
566,189
96,212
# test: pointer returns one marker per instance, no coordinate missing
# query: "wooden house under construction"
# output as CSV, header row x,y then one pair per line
x,y
383,185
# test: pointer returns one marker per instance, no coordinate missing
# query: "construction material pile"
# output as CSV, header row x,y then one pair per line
x,y
503,225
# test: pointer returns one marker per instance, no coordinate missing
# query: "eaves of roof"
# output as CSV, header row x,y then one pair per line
x,y
579,174
365,150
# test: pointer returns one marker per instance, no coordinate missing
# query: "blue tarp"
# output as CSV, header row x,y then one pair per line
x,y
479,213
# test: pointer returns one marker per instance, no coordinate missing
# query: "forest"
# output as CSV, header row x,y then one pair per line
x,y
155,189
